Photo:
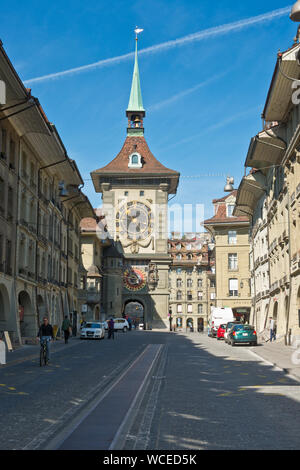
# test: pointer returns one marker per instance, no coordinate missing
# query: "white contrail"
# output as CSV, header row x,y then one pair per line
x,y
199,36
161,104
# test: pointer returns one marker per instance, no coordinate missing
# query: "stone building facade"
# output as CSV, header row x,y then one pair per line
x,y
269,195
231,238
42,205
191,281
101,279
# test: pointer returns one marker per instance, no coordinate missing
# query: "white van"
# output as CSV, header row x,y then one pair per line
x,y
219,316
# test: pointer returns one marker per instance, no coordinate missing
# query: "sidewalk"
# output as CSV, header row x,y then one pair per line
x,y
286,358
27,352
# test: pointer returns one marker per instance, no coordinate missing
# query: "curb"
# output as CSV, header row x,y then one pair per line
x,y
274,364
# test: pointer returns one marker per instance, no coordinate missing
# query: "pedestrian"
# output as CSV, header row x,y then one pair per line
x,y
272,329
66,328
45,333
111,329
129,323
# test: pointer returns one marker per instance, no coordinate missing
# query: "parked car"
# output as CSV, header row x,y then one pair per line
x,y
241,334
92,330
219,316
221,331
228,328
121,324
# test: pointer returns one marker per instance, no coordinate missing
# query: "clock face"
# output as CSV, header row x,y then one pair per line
x,y
135,221
134,279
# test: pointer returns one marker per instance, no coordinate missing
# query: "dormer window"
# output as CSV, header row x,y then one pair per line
x,y
230,209
135,160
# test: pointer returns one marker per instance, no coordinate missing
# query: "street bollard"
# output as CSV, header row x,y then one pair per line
x,y
2,352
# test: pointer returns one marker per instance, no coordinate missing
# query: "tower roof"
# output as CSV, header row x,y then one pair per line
x,y
135,100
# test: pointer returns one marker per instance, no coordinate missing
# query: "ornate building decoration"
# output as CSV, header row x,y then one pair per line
x,y
134,279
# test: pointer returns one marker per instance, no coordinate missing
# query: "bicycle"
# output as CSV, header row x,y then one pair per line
x,y
43,352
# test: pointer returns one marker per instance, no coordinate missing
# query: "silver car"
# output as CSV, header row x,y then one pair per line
x,y
92,330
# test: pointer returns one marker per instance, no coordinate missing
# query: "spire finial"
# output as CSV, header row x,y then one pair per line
x,y
135,101
137,31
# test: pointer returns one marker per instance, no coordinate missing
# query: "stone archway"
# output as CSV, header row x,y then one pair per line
x,y
135,309
28,324
200,324
4,307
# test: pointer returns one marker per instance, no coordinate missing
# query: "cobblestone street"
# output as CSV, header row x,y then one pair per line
x,y
200,394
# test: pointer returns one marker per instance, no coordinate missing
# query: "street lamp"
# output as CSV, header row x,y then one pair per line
x,y
295,13
229,185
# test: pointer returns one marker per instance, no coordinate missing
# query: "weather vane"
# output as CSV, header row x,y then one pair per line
x,y
137,31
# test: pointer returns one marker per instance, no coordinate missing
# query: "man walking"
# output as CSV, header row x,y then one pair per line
x,y
272,330
45,334
66,324
111,329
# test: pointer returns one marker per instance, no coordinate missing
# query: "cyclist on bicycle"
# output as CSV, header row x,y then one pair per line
x,y
45,334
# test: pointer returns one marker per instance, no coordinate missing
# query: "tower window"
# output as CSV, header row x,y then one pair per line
x,y
135,160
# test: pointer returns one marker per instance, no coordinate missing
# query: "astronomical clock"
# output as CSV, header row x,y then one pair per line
x,y
134,279
134,221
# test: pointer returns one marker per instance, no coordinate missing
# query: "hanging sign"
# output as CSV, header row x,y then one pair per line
x,y
2,352
8,341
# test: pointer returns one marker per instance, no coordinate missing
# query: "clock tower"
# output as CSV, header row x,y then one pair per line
x,y
135,189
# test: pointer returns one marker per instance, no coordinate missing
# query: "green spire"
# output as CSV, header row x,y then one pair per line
x,y
135,100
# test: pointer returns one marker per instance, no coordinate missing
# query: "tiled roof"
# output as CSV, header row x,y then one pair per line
x,y
223,199
135,144
88,224
231,220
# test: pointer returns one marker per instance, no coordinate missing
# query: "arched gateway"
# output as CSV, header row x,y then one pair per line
x,y
135,187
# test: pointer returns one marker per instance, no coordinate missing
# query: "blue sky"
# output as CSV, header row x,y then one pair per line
x,y
203,99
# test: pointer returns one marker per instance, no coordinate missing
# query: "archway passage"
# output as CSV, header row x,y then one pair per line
x,y
134,309
28,325
190,324
200,324
4,307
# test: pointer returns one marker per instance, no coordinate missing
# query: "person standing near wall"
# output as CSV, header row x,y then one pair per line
x,y
66,328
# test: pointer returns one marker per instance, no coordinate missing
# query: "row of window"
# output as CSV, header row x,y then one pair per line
x,y
189,294
8,149
53,270
5,255
190,308
189,283
188,246
142,193
189,256
197,270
